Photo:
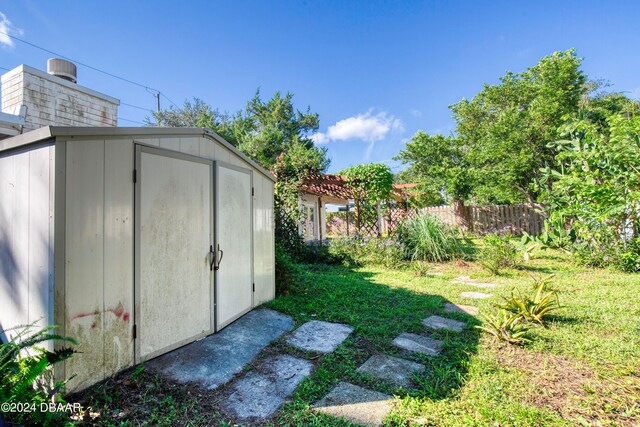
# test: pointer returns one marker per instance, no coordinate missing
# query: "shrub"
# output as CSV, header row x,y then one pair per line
x,y
355,250
316,253
498,252
533,308
24,374
616,254
428,239
506,326
285,269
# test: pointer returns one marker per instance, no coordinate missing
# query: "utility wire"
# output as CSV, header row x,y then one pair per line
x,y
167,98
153,91
78,62
136,106
129,120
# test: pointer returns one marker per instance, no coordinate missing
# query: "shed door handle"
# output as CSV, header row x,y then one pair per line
x,y
213,258
221,256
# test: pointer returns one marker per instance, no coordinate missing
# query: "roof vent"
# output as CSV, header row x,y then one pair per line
x,y
63,69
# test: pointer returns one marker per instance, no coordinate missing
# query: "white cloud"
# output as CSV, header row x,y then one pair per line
x,y
7,29
319,138
366,127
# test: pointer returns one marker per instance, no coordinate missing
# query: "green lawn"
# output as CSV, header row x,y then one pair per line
x,y
584,369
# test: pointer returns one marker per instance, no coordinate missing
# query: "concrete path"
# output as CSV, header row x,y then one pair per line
x,y
261,393
437,322
466,280
356,404
475,295
318,336
392,370
215,359
459,308
418,344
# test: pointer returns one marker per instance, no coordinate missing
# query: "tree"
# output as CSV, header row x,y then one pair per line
x,y
270,128
439,166
505,129
199,114
595,186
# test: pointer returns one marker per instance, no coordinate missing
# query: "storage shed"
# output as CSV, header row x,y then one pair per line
x,y
135,241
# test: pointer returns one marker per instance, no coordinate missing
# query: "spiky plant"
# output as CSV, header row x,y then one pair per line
x,y
534,308
506,326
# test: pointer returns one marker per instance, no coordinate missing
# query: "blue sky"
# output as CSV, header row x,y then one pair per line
x,y
376,72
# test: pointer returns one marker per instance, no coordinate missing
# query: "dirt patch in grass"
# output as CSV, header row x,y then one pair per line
x,y
575,392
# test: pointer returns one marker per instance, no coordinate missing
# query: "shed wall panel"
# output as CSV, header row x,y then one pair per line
x,y
84,267
118,256
264,257
20,238
40,244
190,146
26,243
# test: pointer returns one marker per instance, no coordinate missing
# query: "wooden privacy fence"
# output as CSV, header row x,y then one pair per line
x,y
483,219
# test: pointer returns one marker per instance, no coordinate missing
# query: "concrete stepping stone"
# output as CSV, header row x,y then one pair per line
x,y
481,285
259,394
214,360
318,336
418,343
475,295
437,322
466,280
356,404
459,308
392,370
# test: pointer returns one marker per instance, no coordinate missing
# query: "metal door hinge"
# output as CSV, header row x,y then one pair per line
x,y
254,287
135,332
253,191
135,176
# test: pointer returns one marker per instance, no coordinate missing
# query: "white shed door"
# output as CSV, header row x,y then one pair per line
x,y
174,231
234,225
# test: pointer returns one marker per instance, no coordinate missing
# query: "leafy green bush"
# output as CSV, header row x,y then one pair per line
x,y
533,308
506,326
608,253
23,369
285,269
429,239
498,252
555,235
355,250
316,252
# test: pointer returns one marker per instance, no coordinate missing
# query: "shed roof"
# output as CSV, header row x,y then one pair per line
x,y
69,132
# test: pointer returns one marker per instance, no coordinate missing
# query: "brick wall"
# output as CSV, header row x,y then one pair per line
x,y
53,101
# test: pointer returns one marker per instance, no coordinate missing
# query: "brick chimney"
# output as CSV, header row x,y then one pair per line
x,y
55,100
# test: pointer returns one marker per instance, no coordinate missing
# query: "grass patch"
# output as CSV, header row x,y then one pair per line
x,y
583,369
567,375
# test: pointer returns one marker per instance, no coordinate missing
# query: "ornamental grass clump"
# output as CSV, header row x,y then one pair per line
x,y
429,239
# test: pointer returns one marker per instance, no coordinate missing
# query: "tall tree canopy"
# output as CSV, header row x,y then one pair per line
x,y
263,130
501,137
506,127
439,166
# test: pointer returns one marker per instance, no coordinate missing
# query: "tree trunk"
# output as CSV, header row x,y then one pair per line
x,y
462,215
